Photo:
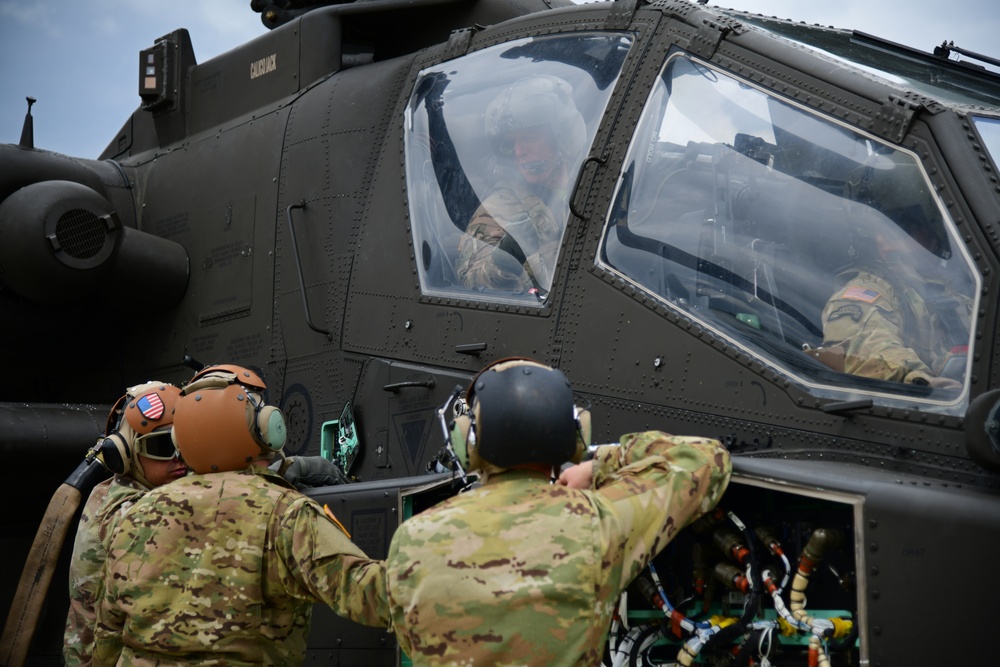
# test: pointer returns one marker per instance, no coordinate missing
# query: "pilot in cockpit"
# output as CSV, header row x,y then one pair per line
x,y
895,313
536,133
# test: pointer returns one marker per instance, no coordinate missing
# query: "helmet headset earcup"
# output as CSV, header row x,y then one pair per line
x,y
531,417
269,431
461,432
584,433
115,453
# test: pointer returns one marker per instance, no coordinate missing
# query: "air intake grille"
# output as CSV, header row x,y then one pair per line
x,y
81,234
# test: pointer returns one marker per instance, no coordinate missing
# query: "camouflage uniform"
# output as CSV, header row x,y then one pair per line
x,y
888,329
223,568
530,221
106,504
523,572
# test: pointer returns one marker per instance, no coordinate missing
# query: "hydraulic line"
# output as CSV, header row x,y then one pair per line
x,y
652,590
698,572
643,642
817,653
29,597
754,585
812,555
634,638
774,546
779,605
750,580
725,630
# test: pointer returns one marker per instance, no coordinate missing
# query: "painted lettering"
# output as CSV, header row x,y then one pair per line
x,y
264,66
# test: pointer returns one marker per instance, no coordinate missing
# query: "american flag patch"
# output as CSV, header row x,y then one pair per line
x,y
150,406
861,294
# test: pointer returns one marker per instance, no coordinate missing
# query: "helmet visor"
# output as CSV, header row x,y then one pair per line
x,y
156,445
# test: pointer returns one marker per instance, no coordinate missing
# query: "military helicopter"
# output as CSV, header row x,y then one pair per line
x,y
297,205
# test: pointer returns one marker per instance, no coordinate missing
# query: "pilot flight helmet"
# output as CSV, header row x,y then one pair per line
x,y
223,423
541,100
139,425
521,412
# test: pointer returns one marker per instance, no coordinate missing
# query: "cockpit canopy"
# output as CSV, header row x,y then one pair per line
x,y
812,246
815,248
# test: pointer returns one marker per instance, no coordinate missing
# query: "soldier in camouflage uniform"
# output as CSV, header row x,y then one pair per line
x,y
524,572
890,314
138,450
511,242
223,566
889,331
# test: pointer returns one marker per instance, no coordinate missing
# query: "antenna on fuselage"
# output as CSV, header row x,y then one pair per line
x,y
28,131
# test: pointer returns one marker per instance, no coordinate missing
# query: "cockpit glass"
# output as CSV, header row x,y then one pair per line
x,y
989,130
936,76
816,248
491,156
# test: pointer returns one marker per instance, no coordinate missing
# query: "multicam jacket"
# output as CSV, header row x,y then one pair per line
x,y
523,572
107,503
223,568
891,332
528,220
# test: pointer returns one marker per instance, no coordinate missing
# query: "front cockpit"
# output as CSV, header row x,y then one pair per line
x,y
820,250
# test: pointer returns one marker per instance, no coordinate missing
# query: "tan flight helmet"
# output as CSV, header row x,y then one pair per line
x,y
139,424
540,100
222,423
521,412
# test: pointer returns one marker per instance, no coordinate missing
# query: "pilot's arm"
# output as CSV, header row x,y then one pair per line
x,y
866,318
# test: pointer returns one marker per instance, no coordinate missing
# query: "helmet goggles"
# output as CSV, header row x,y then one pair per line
x,y
157,445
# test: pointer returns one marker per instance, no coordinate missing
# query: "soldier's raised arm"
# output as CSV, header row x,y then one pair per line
x,y
649,488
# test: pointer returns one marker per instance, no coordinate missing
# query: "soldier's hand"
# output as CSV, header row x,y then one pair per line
x,y
945,383
923,379
580,476
311,471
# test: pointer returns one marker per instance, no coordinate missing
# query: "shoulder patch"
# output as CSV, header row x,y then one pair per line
x,y
329,514
866,294
851,310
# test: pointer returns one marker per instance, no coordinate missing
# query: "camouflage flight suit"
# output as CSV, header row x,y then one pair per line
x,y
529,221
223,568
523,572
107,503
888,329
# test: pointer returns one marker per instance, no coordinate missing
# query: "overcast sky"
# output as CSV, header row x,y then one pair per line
x,y
79,58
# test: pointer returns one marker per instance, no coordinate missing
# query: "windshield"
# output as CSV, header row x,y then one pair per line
x,y
989,130
937,77
492,153
818,249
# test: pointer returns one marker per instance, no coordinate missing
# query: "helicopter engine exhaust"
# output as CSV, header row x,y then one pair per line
x,y
61,242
